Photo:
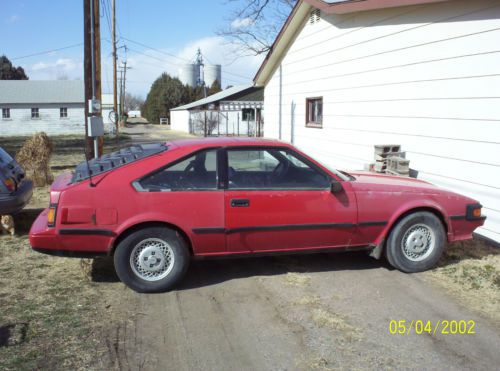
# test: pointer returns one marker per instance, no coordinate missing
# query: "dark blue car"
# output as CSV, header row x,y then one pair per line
x,y
15,190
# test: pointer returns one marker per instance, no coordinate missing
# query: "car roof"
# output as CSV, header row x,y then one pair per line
x,y
227,142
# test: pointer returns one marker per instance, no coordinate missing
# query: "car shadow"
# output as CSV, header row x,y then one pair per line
x,y
209,272
24,219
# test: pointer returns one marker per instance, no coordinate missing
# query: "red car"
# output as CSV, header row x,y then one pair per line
x,y
155,207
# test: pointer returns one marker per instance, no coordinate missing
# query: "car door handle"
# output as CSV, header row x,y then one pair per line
x,y
235,202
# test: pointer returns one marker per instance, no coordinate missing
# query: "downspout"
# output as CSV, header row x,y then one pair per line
x,y
280,102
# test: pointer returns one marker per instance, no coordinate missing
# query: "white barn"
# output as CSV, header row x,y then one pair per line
x,y
343,76
55,107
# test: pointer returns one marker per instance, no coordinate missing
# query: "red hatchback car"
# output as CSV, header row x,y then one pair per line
x,y
154,207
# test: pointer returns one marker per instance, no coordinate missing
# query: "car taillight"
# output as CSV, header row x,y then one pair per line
x,y
10,184
51,216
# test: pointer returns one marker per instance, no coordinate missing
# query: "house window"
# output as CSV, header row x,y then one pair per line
x,y
314,112
35,114
6,113
63,112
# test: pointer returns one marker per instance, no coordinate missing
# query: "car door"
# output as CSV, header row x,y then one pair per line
x,y
186,193
277,200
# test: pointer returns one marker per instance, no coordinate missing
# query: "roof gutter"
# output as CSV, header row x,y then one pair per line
x,y
350,6
297,17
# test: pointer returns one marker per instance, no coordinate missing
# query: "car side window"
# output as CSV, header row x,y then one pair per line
x,y
196,172
272,169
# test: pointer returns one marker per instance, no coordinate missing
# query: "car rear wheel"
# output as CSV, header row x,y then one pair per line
x,y
152,259
416,242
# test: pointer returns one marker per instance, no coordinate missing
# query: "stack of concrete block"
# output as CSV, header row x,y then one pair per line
x,y
397,165
383,152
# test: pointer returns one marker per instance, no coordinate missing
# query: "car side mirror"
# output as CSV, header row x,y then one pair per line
x,y
336,187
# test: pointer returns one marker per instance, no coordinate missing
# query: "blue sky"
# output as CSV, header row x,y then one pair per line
x,y
169,27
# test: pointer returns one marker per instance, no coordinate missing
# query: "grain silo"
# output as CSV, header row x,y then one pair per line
x,y
189,74
212,73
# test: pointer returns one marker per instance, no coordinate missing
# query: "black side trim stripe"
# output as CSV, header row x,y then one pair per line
x,y
457,217
208,230
286,227
70,254
291,227
87,232
371,224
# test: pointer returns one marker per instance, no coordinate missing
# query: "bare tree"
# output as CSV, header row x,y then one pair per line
x,y
133,102
205,122
254,25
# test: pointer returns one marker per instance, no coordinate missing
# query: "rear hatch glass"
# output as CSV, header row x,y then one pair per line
x,y
116,159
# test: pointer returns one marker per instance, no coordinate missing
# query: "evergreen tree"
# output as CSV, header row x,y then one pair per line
x,y
166,93
9,72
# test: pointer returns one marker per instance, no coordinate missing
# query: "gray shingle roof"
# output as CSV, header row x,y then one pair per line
x,y
46,91
214,97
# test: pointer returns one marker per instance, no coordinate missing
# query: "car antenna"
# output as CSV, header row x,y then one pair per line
x,y
88,165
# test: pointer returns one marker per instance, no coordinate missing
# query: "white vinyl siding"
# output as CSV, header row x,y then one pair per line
x,y
426,77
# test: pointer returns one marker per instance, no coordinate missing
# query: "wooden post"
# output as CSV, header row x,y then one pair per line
x,y
87,51
115,82
205,128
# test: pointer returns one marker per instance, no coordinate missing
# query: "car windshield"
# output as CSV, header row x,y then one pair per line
x,y
341,174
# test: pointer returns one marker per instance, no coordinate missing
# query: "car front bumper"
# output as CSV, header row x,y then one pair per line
x,y
14,202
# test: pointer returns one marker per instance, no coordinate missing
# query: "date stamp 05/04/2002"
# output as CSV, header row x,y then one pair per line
x,y
439,327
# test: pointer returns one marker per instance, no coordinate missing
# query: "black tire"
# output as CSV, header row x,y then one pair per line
x,y
164,247
416,242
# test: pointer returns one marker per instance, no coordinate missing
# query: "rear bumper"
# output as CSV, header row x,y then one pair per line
x,y
14,202
80,244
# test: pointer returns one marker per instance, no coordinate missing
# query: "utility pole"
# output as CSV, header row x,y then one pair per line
x,y
115,97
119,112
123,87
92,77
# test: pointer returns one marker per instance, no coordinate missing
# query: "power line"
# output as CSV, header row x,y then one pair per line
x,y
156,50
47,51
182,59
179,65
106,14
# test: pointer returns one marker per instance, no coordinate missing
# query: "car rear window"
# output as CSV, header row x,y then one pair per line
x,y
116,159
5,158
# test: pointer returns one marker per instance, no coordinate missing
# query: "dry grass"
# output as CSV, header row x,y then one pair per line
x,y
325,318
297,279
471,271
309,301
51,315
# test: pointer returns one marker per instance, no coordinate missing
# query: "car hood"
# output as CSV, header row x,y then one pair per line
x,y
382,182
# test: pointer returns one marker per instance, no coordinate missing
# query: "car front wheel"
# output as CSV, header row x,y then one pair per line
x,y
416,242
152,259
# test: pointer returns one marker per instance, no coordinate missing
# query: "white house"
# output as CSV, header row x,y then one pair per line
x,y
343,76
234,111
55,107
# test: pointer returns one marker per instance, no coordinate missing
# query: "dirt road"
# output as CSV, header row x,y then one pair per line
x,y
328,311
